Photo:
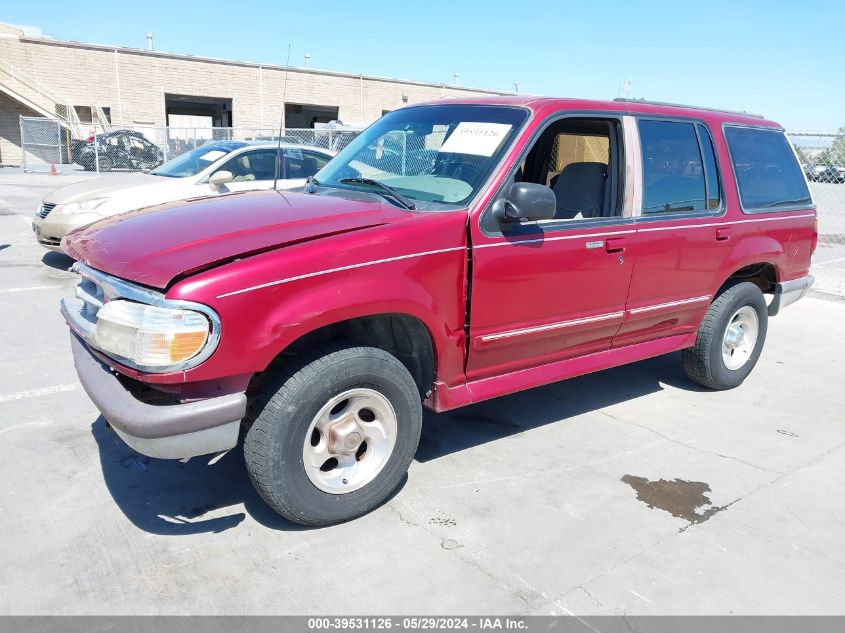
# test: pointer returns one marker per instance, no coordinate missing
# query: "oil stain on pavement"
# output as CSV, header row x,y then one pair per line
x,y
678,497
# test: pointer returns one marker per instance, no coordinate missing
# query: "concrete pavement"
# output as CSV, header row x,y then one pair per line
x,y
628,491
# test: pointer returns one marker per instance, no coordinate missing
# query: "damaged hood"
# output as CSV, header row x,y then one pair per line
x,y
153,246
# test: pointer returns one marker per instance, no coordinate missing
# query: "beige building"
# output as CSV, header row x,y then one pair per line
x,y
72,81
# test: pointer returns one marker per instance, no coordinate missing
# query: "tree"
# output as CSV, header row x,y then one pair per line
x,y
835,154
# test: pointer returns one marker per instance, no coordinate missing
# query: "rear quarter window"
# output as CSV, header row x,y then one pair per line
x,y
767,173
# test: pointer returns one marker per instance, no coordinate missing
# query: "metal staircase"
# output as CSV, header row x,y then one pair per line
x,y
36,97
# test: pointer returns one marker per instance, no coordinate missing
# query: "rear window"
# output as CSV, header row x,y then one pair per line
x,y
767,172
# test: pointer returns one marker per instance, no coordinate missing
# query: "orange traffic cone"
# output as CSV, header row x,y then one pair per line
x,y
53,170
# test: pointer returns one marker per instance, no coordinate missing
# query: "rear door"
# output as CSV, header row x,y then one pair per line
x,y
682,240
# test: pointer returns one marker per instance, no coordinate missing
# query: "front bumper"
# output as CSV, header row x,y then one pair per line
x,y
789,292
50,230
165,431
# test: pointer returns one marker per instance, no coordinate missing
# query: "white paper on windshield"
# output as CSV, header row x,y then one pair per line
x,y
212,156
479,139
292,152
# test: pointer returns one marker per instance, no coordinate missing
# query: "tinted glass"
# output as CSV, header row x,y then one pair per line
x,y
673,176
302,164
767,172
193,162
435,155
257,165
711,172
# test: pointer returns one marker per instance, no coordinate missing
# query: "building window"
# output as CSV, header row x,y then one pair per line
x,y
88,114
84,113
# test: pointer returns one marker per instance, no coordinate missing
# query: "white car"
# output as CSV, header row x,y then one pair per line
x,y
211,169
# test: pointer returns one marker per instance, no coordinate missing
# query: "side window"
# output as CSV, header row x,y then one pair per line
x,y
257,165
576,158
767,173
673,173
711,171
302,164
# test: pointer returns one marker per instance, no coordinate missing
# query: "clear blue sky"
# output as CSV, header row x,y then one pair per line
x,y
785,59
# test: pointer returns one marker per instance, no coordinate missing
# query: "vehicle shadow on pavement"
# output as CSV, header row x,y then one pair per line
x,y
168,497
458,430
59,261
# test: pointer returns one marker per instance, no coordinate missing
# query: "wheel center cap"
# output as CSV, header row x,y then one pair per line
x,y
345,437
733,337
352,440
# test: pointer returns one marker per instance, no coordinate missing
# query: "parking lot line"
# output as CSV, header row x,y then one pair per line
x,y
28,288
830,261
34,393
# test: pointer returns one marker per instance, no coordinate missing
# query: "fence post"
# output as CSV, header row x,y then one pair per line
x,y
59,135
23,143
96,154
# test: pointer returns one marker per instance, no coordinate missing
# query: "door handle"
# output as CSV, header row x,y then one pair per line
x,y
723,235
615,245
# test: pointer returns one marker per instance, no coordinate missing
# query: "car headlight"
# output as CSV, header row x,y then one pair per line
x,y
83,206
150,336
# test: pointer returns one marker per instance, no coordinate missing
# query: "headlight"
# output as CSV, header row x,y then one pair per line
x,y
150,336
83,206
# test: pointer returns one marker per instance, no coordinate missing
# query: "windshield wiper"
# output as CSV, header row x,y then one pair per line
x,y
390,191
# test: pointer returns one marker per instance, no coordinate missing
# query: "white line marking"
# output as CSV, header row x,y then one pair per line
x,y
25,425
641,597
553,239
340,269
551,326
669,304
830,261
28,288
34,393
717,223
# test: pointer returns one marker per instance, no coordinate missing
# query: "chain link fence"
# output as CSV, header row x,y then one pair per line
x,y
48,144
822,158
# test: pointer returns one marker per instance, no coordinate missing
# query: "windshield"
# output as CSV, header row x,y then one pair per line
x,y
193,162
439,154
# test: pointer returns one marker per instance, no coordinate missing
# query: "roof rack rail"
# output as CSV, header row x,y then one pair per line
x,y
682,105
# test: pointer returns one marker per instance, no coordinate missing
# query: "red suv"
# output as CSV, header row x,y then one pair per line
x,y
453,252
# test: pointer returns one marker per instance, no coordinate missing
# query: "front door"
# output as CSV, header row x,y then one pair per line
x,y
547,291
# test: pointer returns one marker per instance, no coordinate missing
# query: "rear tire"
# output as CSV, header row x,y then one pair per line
x,y
334,435
730,338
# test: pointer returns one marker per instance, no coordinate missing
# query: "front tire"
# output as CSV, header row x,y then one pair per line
x,y
730,338
334,434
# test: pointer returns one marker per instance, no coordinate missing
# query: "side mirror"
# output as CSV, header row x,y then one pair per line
x,y
526,201
220,178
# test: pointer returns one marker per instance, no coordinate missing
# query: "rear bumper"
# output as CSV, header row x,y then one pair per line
x,y
165,431
789,292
